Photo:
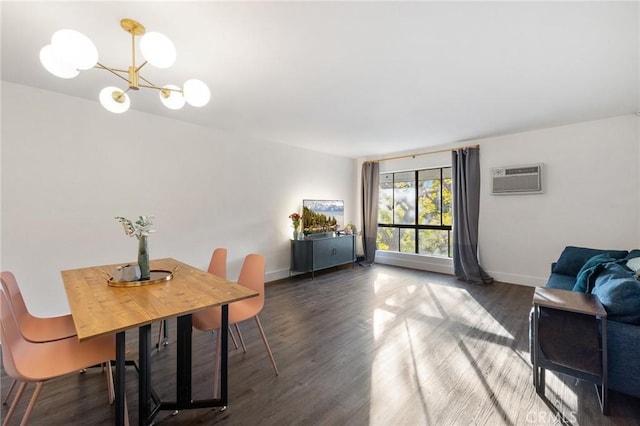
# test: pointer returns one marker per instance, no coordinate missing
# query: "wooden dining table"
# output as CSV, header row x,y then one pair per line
x,y
100,309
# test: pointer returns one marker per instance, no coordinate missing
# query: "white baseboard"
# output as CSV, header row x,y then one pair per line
x,y
445,266
505,277
276,275
407,260
425,263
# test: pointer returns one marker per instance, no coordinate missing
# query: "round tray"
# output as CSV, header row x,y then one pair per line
x,y
156,276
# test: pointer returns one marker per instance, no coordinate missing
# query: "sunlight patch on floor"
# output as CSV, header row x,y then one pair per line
x,y
381,280
409,374
381,318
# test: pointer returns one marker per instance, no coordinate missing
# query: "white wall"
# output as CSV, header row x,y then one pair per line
x,y
591,198
69,167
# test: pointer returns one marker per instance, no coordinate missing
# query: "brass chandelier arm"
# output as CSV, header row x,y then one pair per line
x,y
149,84
104,67
142,65
164,90
113,71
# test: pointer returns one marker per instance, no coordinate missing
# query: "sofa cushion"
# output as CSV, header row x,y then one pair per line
x,y
633,254
634,265
588,272
633,262
619,292
623,349
563,282
572,258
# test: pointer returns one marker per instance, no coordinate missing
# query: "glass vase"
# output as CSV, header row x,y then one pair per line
x,y
143,258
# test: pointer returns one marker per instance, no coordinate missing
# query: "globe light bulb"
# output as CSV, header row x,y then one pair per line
x,y
158,50
75,49
114,100
172,99
196,93
55,65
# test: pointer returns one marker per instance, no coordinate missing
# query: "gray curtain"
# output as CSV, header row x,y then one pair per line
x,y
370,183
466,211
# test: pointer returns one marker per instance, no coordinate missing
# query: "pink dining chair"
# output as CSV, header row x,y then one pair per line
x,y
218,263
218,267
25,361
251,276
35,329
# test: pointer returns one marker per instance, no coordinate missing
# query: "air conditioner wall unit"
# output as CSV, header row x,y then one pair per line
x,y
526,179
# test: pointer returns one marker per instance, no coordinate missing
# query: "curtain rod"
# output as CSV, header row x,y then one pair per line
x,y
426,153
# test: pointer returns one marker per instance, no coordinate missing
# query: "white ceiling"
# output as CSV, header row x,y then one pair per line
x,y
357,78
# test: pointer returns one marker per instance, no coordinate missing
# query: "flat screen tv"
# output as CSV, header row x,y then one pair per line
x,y
322,216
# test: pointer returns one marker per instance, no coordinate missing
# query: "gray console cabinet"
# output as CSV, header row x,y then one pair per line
x,y
315,253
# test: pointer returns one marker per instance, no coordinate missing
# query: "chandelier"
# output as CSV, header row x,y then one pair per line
x,y
71,51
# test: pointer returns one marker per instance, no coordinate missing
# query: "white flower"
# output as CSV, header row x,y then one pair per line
x,y
141,227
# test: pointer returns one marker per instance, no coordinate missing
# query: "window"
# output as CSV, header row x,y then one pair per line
x,y
414,212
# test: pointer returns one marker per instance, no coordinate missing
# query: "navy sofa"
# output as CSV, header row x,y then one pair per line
x,y
605,273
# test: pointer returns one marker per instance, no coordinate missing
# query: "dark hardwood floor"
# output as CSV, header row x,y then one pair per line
x,y
367,346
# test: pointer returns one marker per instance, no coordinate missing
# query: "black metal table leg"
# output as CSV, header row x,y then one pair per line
x,y
144,380
119,382
224,356
183,368
183,360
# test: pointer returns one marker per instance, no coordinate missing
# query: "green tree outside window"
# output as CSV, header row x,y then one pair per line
x,y
414,212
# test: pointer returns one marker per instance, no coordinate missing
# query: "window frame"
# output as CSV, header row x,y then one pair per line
x,y
415,226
